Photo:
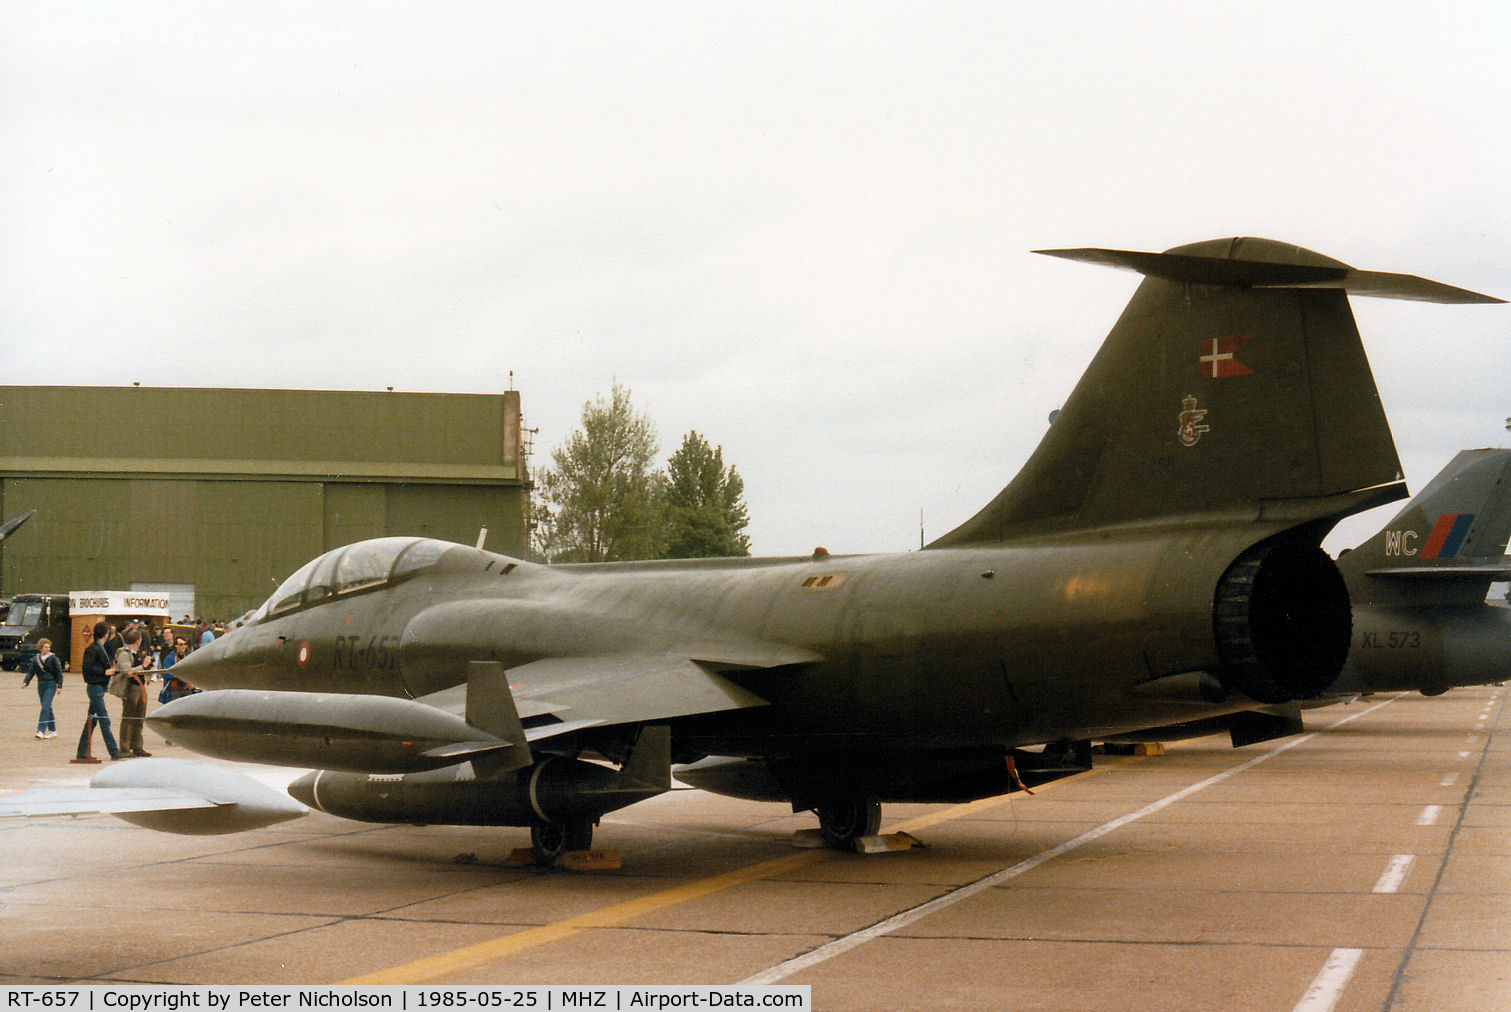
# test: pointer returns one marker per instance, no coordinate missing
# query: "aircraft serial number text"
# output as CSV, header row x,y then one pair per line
x,y
370,653
42,999
1391,640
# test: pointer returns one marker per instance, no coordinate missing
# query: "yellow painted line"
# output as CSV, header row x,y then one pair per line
x,y
431,967
446,963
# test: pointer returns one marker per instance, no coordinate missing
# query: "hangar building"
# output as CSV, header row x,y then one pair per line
x,y
216,496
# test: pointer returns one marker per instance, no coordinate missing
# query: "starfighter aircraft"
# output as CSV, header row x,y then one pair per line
x,y
1418,594
14,524
1419,587
1157,559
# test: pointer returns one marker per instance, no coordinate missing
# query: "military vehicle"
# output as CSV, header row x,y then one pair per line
x,y
1157,559
33,617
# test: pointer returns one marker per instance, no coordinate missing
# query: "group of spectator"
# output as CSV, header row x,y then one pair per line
x,y
123,662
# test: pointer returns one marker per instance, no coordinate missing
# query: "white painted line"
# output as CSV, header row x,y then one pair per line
x,y
1449,780
1327,986
1395,873
902,919
1429,815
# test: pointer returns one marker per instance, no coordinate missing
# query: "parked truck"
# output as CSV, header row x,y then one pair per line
x,y
68,620
34,617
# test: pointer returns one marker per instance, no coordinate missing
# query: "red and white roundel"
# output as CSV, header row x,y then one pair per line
x,y
303,656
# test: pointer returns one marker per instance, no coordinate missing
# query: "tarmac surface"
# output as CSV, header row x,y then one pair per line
x,y
1365,865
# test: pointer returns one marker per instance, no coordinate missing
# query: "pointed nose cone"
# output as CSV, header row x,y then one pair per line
x,y
214,665
193,667
303,789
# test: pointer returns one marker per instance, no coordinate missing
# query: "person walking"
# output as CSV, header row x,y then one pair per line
x,y
47,669
97,671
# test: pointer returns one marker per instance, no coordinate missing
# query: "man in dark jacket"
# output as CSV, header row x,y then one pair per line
x,y
97,669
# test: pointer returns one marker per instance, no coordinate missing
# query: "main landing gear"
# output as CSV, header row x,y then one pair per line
x,y
550,840
844,820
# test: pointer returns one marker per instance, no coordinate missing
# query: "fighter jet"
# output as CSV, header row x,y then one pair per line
x,y
1417,589
1157,559
1419,586
14,523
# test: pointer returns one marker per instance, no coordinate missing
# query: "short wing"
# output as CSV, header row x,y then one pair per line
x,y
624,688
96,801
610,689
170,795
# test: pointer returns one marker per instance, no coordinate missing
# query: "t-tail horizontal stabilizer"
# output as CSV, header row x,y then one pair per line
x,y
1309,271
1234,386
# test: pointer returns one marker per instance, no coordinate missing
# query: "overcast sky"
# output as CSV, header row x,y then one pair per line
x,y
802,230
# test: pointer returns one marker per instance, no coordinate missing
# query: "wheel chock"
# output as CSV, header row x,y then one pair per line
x,y
590,860
572,860
886,844
812,839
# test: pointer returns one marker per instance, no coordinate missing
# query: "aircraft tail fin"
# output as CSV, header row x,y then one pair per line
x,y
1449,540
1235,380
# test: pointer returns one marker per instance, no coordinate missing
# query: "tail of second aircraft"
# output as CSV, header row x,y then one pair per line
x,y
1447,545
1234,384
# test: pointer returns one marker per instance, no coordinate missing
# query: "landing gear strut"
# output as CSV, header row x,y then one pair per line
x,y
843,821
550,840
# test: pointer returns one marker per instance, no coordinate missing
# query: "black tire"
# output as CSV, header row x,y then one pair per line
x,y
844,821
550,840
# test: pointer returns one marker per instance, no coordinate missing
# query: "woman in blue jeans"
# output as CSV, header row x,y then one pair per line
x,y
48,671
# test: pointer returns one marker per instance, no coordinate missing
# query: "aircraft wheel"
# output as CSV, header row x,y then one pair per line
x,y
550,840
842,822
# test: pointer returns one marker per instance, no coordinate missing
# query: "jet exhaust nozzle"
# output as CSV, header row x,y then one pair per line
x,y
1282,622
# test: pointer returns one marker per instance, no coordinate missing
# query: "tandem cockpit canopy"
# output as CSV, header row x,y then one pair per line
x,y
361,566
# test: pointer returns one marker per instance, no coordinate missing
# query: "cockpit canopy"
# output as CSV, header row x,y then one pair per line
x,y
347,570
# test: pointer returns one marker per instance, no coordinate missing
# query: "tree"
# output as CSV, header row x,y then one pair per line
x,y
597,500
703,503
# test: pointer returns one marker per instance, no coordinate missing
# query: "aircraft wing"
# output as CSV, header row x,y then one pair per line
x,y
96,801
609,689
171,795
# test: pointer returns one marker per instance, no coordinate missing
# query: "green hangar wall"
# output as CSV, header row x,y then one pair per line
x,y
230,491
